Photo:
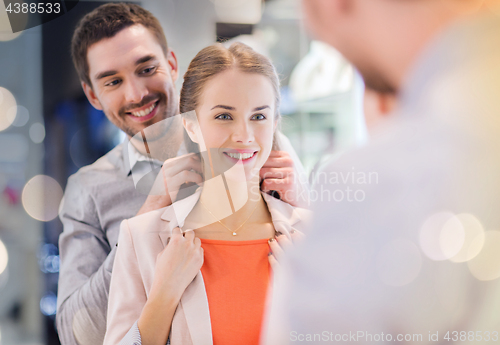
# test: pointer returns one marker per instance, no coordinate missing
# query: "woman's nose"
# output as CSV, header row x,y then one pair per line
x,y
243,133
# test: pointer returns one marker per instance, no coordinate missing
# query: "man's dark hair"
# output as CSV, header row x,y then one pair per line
x,y
105,22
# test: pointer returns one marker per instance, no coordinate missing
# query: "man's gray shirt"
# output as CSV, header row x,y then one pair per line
x,y
97,198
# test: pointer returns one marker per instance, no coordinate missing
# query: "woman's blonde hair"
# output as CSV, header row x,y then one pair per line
x,y
215,59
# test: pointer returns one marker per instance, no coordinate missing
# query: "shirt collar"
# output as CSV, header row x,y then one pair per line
x,y
134,156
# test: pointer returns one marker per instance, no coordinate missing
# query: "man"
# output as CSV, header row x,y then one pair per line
x,y
127,70
413,255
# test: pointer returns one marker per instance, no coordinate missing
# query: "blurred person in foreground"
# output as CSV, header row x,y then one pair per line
x,y
127,70
412,253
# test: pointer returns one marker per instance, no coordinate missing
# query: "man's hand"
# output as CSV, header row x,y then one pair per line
x,y
278,174
280,244
174,173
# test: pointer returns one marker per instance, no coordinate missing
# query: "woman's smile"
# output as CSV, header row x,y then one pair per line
x,y
245,156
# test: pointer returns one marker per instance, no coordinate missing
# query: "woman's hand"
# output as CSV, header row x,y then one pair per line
x,y
280,244
177,264
176,267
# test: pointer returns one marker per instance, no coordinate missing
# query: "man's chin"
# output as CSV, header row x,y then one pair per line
x,y
377,83
157,129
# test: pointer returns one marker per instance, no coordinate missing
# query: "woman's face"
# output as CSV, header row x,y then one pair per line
x,y
236,118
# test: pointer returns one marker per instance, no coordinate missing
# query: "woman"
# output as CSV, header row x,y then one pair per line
x,y
209,285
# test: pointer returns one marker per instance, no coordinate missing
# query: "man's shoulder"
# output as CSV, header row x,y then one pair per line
x,y
103,170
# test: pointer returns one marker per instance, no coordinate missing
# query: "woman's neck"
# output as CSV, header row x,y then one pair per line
x,y
230,202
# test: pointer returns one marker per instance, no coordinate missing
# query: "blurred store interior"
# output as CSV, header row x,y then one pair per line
x,y
48,130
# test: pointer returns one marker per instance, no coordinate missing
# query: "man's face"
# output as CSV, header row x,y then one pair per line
x,y
132,79
348,26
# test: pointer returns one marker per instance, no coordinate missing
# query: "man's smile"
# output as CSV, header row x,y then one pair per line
x,y
144,113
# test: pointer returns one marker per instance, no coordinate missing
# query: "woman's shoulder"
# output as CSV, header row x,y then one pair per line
x,y
146,222
165,218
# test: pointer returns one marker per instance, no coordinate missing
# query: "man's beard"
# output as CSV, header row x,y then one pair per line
x,y
162,139
162,103
377,82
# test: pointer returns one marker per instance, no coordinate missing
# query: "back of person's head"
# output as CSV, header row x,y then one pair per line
x,y
216,59
105,22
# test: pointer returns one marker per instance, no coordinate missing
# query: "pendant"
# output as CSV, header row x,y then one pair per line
x,y
234,233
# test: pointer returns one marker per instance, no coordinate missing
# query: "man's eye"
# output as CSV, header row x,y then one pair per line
x,y
112,82
223,117
148,70
258,117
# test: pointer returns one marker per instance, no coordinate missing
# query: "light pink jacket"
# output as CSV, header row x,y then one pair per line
x,y
141,239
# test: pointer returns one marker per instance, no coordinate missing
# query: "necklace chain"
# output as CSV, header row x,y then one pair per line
x,y
217,219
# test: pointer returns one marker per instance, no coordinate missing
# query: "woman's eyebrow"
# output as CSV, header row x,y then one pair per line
x,y
262,107
227,107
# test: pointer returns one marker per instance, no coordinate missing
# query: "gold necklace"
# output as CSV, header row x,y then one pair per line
x,y
232,231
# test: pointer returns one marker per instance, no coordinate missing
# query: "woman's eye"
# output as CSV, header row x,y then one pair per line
x,y
258,117
224,117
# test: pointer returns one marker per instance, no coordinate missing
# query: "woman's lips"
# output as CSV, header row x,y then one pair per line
x,y
244,157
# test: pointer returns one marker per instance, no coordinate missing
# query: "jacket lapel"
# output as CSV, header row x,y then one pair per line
x,y
285,216
194,302
175,215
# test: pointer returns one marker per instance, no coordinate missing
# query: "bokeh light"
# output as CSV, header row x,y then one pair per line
x,y
48,304
441,236
8,106
452,237
486,265
399,263
37,132
41,198
4,257
19,116
51,264
473,238
48,258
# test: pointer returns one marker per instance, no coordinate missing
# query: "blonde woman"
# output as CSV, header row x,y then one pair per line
x,y
209,285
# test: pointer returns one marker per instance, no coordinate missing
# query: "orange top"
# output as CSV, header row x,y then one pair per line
x,y
236,276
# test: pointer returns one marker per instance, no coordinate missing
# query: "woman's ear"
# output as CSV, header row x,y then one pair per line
x,y
192,129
